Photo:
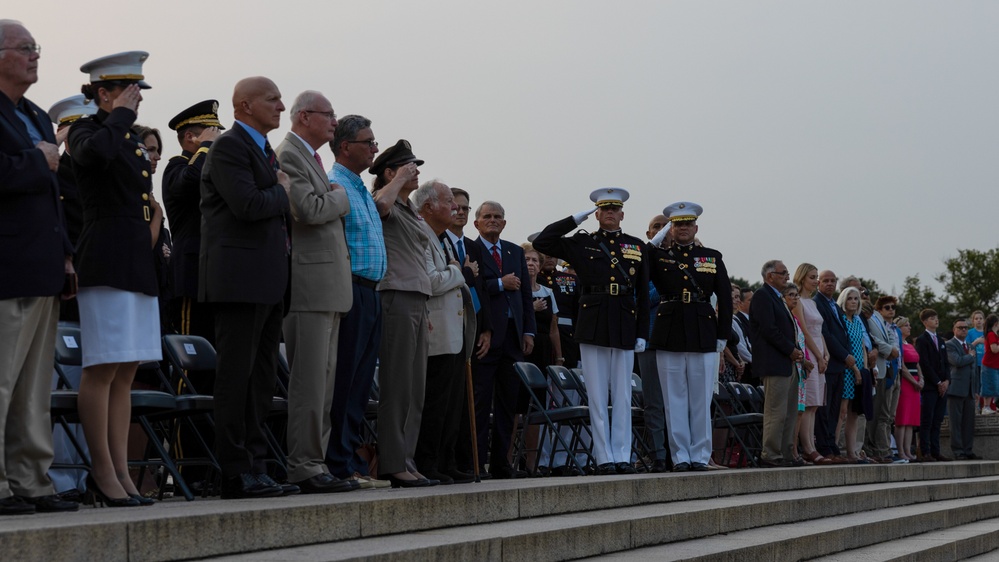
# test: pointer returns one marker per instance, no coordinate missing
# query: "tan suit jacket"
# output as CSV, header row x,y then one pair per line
x,y
320,261
446,306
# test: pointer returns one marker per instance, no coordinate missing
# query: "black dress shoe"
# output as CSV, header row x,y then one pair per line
x,y
15,505
286,488
99,496
324,483
699,467
681,467
400,483
143,501
658,465
51,504
942,458
625,468
606,468
440,477
566,471
507,473
460,477
248,485
72,495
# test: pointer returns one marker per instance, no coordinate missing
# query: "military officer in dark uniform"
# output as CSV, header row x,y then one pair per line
x,y
612,316
197,127
688,334
564,286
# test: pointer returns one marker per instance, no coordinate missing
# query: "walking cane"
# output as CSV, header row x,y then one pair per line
x,y
470,329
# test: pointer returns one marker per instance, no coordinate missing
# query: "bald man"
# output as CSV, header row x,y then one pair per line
x,y
245,247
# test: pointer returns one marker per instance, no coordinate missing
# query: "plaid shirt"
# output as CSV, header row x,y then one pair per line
x,y
363,227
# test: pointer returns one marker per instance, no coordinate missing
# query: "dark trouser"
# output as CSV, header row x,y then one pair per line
x,y
442,400
827,417
962,424
248,336
357,356
570,349
655,407
931,415
496,389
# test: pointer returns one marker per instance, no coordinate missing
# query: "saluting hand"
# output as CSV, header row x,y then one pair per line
x,y
209,134
129,98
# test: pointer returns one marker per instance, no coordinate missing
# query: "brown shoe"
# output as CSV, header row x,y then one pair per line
x,y
942,458
925,458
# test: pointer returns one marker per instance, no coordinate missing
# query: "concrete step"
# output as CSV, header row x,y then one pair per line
x,y
807,540
178,530
975,541
579,535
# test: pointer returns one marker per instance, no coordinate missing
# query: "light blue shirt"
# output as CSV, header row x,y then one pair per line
x,y
363,227
256,135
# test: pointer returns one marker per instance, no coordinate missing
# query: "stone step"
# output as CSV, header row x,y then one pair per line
x,y
979,540
807,540
176,530
580,535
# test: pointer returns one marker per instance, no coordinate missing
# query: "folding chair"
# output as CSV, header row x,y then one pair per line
x,y
742,429
540,413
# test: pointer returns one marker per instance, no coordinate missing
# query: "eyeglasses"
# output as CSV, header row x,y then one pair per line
x,y
960,327
329,114
888,307
372,143
785,272
25,50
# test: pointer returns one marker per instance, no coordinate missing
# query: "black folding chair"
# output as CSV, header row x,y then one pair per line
x,y
743,430
541,413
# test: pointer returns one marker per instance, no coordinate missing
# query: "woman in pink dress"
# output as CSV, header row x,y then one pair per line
x,y
806,277
907,412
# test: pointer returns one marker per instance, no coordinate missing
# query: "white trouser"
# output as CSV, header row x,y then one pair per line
x,y
606,368
688,380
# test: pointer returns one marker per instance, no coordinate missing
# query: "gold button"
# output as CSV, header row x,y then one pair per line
x,y
612,278
61,198
685,277
584,306
613,254
145,174
138,152
145,197
685,254
127,136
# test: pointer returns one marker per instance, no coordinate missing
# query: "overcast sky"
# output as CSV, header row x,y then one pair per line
x,y
859,136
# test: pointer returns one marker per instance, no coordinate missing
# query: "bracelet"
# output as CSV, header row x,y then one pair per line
x,y
562,359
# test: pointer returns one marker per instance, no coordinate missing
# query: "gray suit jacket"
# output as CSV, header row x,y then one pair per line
x,y
964,375
884,339
446,305
320,261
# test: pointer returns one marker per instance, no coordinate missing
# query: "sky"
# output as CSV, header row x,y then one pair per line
x,y
859,136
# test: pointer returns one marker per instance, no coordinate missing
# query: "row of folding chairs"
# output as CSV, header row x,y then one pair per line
x,y
737,412
558,403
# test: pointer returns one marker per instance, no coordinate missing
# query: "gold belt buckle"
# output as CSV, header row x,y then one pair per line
x,y
614,289
686,296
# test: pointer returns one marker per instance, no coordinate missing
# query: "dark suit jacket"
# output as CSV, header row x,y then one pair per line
x,y
474,252
834,333
519,303
771,333
933,360
244,256
33,240
181,202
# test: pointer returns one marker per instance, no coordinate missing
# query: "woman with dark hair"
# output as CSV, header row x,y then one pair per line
x,y
402,359
990,363
150,139
119,315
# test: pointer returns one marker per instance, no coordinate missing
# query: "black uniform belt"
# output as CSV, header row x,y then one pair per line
x,y
685,297
612,289
364,282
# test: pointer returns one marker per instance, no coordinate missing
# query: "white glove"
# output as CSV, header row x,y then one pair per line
x,y
720,345
639,345
657,240
581,216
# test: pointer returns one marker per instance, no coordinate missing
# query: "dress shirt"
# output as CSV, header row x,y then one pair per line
x,y
363,226
22,114
256,135
489,251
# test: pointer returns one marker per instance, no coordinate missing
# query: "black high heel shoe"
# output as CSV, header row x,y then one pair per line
x,y
143,501
97,495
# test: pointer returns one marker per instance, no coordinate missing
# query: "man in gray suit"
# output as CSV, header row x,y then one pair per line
x,y
320,292
962,394
877,442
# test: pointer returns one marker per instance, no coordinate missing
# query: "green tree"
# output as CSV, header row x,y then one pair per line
x,y
915,297
744,283
972,280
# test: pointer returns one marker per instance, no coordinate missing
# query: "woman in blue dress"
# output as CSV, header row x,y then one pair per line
x,y
849,301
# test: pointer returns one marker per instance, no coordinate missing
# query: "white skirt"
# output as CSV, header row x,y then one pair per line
x,y
118,326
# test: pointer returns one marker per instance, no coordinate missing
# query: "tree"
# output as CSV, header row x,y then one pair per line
x,y
915,298
972,280
744,283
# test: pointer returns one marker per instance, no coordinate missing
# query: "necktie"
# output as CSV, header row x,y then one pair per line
x,y
934,338
497,258
461,251
271,157
319,160
965,344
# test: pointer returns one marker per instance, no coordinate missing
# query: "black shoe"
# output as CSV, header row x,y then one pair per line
x,y
606,468
566,471
699,467
767,463
15,505
72,495
143,501
324,483
658,465
440,477
286,488
248,485
460,477
400,483
507,473
681,467
625,468
99,496
51,504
